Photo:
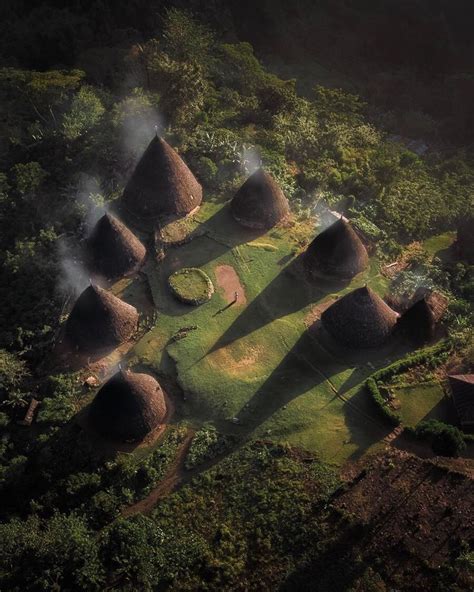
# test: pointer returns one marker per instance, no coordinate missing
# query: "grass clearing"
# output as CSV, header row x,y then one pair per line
x,y
253,370
420,402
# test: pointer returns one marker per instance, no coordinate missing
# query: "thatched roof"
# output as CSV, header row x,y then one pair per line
x,y
462,388
99,320
259,203
465,240
417,323
128,406
113,249
437,302
162,185
337,251
360,319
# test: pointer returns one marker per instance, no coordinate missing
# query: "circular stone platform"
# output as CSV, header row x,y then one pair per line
x,y
191,285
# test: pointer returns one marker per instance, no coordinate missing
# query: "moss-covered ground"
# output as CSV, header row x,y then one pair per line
x,y
252,369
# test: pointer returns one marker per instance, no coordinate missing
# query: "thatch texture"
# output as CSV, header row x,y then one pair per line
x,y
113,250
259,203
162,185
465,240
437,302
417,323
128,407
462,389
337,251
99,320
360,319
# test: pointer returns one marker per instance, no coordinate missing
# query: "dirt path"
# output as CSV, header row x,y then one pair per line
x,y
173,477
229,282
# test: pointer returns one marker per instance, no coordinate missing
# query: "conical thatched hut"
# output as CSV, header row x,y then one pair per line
x,y
113,250
161,185
360,319
418,322
337,251
99,320
462,389
128,407
259,203
465,240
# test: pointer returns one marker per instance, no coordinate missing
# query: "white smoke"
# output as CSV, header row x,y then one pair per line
x,y
73,277
139,121
324,212
89,199
250,160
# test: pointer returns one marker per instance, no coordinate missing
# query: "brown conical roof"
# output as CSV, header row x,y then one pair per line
x,y
465,240
259,203
360,319
128,406
99,320
161,184
337,251
113,249
418,322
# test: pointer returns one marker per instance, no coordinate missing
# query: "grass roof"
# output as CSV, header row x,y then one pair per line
x,y
360,319
259,203
99,320
128,406
113,250
337,251
162,185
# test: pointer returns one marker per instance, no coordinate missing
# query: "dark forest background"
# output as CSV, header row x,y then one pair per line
x,y
401,54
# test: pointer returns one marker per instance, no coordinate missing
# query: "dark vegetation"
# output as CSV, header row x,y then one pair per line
x,y
81,89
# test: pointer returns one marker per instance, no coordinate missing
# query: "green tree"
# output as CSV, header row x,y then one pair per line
x,y
132,549
85,112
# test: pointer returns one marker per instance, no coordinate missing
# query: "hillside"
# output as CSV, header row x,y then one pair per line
x,y
237,281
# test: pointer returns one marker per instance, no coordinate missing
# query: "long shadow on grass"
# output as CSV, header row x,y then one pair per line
x,y
294,376
213,238
306,366
287,293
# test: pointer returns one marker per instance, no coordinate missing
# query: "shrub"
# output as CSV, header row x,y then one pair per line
x,y
446,440
430,356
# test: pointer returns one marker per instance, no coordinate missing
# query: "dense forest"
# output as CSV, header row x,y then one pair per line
x,y
362,107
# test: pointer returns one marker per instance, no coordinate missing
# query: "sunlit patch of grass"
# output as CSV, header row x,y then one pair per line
x,y
252,370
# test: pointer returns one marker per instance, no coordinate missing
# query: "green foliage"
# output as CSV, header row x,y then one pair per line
x,y
446,440
58,553
133,551
381,403
28,177
83,115
430,357
13,371
185,39
207,443
28,293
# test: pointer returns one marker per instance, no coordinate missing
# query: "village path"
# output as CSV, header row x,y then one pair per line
x,y
173,477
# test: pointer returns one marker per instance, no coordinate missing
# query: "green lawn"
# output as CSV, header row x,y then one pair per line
x,y
422,401
440,244
256,362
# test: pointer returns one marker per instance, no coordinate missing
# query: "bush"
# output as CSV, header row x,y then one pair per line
x,y
430,356
446,440
380,402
